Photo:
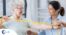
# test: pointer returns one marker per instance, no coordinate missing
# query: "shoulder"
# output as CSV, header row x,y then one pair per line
x,y
60,17
64,19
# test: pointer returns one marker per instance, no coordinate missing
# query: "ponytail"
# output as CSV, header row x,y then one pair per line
x,y
62,11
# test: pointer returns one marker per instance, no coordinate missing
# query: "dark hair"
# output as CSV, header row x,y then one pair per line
x,y
62,11
56,5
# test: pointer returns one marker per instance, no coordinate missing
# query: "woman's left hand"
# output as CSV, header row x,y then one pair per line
x,y
56,25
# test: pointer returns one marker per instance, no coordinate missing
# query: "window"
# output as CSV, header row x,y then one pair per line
x,y
42,9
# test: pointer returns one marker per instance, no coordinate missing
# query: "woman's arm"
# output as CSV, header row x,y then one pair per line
x,y
38,27
42,26
55,25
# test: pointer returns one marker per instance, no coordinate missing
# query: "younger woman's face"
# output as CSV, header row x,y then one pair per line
x,y
52,11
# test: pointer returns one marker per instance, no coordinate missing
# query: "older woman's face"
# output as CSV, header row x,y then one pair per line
x,y
18,11
52,11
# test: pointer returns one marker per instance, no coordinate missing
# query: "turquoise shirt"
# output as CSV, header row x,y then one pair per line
x,y
20,27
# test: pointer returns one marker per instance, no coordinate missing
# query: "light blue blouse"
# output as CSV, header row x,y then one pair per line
x,y
64,28
52,31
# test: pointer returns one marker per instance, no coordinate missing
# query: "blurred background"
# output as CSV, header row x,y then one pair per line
x,y
36,10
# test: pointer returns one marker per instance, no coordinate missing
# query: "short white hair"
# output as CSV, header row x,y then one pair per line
x,y
17,3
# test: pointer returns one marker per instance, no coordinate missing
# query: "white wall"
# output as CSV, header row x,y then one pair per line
x,y
43,10
35,13
32,10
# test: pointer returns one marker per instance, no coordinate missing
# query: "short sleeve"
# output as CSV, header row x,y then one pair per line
x,y
5,25
64,19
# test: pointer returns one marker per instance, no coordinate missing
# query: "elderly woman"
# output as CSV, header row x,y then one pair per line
x,y
19,27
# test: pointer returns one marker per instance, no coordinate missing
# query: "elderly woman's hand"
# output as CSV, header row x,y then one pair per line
x,y
5,18
29,32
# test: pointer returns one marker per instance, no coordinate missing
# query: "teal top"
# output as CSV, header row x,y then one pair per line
x,y
19,27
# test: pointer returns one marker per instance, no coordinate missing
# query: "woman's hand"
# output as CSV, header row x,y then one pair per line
x,y
30,32
5,18
56,24
63,23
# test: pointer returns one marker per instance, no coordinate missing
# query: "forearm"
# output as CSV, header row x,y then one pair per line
x,y
43,26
